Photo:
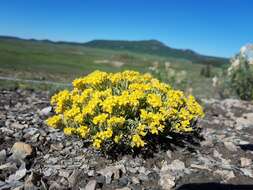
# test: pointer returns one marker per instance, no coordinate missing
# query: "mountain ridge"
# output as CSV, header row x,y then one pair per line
x,y
152,46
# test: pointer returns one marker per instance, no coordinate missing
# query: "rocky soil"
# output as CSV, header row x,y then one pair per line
x,y
33,156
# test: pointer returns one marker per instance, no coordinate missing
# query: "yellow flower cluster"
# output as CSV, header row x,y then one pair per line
x,y
122,108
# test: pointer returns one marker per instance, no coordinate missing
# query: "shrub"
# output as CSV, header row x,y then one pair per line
x,y
122,108
238,79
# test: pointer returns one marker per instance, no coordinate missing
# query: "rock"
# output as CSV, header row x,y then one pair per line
x,y
225,174
6,130
48,172
21,150
31,131
247,172
245,121
135,180
91,185
132,170
110,171
167,181
64,173
21,187
16,125
168,153
123,181
19,174
55,186
175,166
230,146
45,111
246,162
124,188
91,173
73,178
8,166
2,156
201,167
29,183
143,177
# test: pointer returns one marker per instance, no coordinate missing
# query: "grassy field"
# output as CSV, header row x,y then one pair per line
x,y
62,62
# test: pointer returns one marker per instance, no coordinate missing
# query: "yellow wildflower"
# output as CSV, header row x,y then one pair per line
x,y
54,121
69,131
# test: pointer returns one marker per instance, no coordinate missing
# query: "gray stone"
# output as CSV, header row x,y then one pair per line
x,y
21,187
8,167
124,188
16,125
123,181
110,171
55,186
30,132
2,156
175,166
73,178
29,183
19,174
48,172
91,185
168,153
143,177
64,173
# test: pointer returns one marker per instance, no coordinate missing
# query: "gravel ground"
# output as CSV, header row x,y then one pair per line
x,y
33,156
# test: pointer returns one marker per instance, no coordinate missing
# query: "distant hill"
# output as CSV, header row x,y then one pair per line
x,y
155,47
151,47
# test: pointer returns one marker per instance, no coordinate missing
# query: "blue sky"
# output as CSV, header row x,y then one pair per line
x,y
212,27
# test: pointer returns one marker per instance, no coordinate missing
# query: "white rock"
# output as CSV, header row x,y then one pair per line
x,y
247,172
176,165
45,111
225,174
201,167
2,156
245,162
91,185
167,181
230,146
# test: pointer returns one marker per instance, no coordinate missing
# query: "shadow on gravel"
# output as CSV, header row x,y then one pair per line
x,y
214,186
247,147
155,144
